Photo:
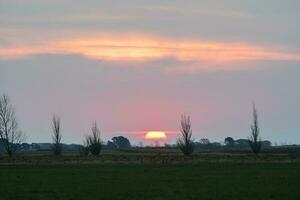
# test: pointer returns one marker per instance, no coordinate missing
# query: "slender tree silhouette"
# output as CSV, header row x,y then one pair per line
x,y
56,137
185,141
254,139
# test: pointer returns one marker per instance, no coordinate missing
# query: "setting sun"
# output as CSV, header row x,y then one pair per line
x,y
154,135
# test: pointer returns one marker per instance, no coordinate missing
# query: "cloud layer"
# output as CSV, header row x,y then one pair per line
x,y
142,48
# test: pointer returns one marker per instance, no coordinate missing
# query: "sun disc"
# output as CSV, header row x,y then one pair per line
x,y
155,135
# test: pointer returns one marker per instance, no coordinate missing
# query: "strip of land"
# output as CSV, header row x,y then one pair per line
x,y
204,180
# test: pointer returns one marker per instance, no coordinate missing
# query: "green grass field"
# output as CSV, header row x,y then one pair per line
x,y
202,181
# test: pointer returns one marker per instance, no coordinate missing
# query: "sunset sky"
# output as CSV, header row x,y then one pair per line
x,y
136,66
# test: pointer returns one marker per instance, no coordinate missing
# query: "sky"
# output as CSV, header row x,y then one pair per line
x,y
135,66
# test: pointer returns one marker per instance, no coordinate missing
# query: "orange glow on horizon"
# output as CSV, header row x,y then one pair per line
x,y
155,135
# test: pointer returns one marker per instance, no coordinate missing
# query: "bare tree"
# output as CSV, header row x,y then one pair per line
x,y
93,141
10,135
56,137
185,142
254,139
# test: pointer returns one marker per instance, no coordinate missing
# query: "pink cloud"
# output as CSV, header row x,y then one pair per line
x,y
138,48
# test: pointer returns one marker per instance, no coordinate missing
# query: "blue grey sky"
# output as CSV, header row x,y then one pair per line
x,y
135,66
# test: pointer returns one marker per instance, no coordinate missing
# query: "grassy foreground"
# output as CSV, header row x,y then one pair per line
x,y
151,181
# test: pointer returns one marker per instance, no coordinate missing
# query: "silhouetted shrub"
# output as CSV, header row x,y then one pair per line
x,y
93,141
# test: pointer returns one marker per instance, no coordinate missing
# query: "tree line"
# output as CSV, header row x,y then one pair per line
x,y
11,136
187,144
